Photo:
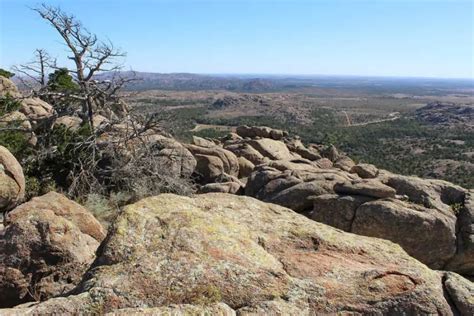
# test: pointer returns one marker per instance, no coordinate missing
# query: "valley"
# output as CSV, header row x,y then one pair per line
x,y
377,124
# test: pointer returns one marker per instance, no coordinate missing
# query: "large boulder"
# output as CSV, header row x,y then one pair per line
x,y
229,160
208,168
48,244
272,149
63,207
36,109
337,210
297,197
16,117
249,256
12,180
430,193
426,234
172,156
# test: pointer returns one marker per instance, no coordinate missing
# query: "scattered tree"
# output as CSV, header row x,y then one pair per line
x,y
61,81
34,74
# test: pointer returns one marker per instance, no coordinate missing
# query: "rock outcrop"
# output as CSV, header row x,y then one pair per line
x,y
214,162
260,131
12,180
8,88
36,110
447,114
47,245
238,254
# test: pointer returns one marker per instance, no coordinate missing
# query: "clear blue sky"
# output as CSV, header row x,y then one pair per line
x,y
380,38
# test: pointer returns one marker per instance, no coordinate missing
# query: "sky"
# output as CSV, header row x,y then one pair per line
x,y
416,38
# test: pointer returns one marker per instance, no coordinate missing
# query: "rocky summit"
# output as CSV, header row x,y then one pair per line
x,y
270,226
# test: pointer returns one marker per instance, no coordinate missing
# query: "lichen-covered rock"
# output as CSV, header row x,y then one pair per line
x,y
48,244
12,180
251,256
219,309
63,207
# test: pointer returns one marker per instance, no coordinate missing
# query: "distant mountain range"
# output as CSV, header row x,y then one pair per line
x,y
269,83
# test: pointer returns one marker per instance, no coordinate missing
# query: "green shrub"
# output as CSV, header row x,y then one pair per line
x,y
8,104
6,73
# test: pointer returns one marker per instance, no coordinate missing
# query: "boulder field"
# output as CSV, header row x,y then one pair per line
x,y
431,219
233,255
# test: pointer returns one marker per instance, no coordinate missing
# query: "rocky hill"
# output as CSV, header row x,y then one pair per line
x,y
275,227
447,114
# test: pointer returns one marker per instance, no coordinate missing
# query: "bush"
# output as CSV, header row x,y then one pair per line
x,y
6,73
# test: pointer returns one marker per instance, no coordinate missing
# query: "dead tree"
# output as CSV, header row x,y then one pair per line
x,y
89,55
36,71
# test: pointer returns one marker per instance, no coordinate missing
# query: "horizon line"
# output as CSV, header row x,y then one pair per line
x,y
303,75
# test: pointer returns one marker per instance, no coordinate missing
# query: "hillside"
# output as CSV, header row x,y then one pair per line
x,y
414,134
